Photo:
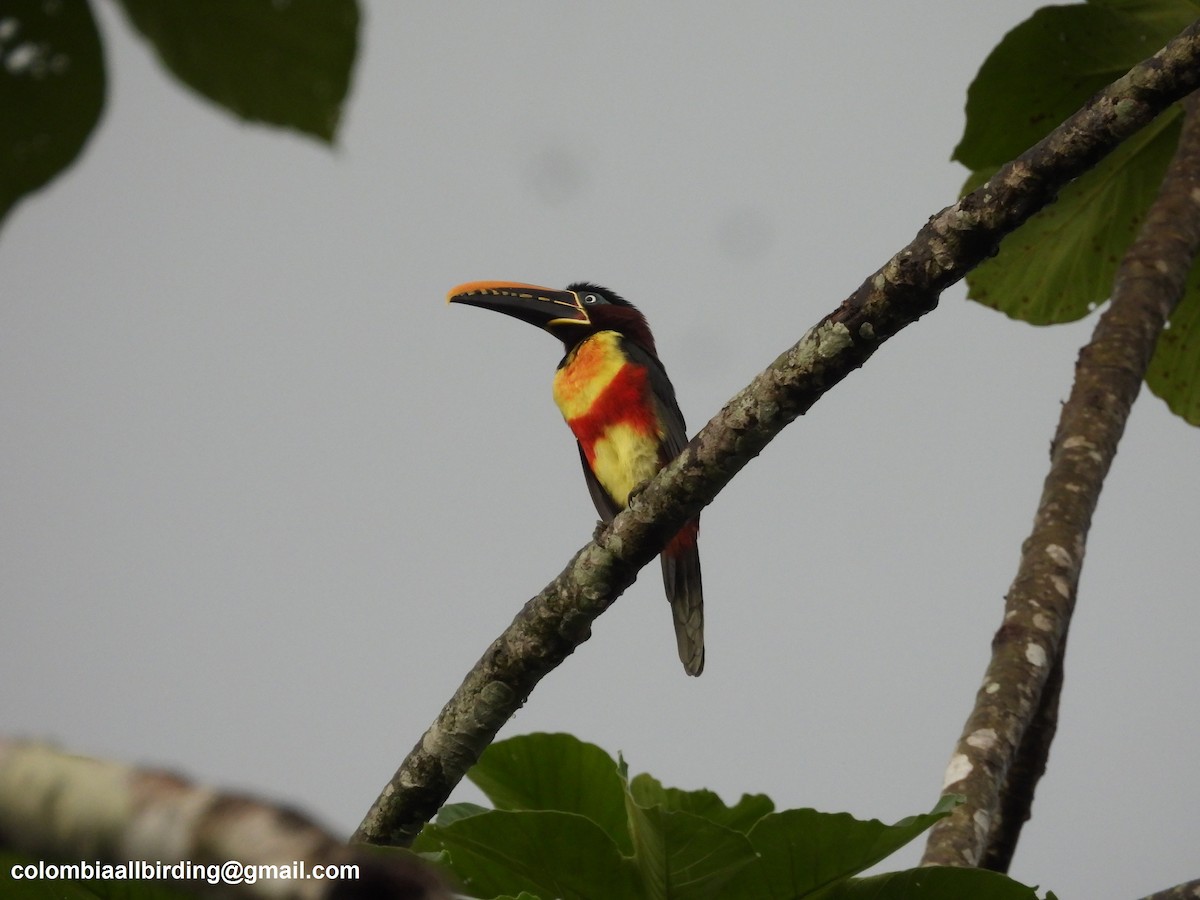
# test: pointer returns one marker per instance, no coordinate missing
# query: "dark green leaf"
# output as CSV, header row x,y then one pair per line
x,y
548,854
1165,16
285,62
1174,372
559,772
1045,68
680,855
1059,265
51,91
685,857
648,791
934,883
802,851
452,812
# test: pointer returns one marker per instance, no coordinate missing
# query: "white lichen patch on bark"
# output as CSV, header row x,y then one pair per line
x,y
1035,654
168,828
958,769
1058,555
1061,585
991,687
982,739
1042,622
833,339
982,821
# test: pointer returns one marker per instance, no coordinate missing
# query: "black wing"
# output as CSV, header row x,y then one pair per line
x,y
667,407
604,503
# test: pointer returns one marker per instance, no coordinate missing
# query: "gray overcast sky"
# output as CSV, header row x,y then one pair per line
x,y
267,498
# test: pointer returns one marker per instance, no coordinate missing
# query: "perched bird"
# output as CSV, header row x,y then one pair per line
x,y
617,400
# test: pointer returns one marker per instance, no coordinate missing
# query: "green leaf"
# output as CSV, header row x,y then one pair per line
x,y
548,854
1059,265
648,791
681,855
1173,374
1162,15
452,812
1045,68
802,851
285,62
559,772
51,90
934,883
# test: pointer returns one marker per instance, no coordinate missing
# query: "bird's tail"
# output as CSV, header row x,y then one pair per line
x,y
681,578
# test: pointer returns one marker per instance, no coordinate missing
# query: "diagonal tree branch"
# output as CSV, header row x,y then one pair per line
x,y
1003,748
59,807
908,285
1188,891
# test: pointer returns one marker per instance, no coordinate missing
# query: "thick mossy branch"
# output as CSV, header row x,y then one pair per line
x,y
558,619
1000,756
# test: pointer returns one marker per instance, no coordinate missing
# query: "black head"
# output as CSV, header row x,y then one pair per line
x,y
570,315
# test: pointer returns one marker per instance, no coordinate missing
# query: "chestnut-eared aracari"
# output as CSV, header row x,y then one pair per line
x,y
619,403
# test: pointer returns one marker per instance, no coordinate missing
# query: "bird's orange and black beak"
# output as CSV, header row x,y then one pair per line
x,y
547,308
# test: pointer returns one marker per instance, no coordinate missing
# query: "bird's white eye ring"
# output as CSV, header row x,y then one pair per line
x,y
590,298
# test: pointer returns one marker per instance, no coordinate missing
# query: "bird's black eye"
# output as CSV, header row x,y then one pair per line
x,y
591,298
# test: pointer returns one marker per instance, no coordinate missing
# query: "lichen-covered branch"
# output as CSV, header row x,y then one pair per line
x,y
57,807
1028,767
998,757
1188,891
908,285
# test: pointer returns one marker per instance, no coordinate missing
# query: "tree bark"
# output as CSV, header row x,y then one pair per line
x,y
1000,755
908,285
55,806
1188,891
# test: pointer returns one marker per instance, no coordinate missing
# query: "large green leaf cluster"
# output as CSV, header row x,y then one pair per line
x,y
1060,264
282,63
570,823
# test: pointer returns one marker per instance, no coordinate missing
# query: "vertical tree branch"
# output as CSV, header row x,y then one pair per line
x,y
908,285
1000,756
1029,765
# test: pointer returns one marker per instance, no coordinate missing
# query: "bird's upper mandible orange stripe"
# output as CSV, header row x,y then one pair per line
x,y
491,287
